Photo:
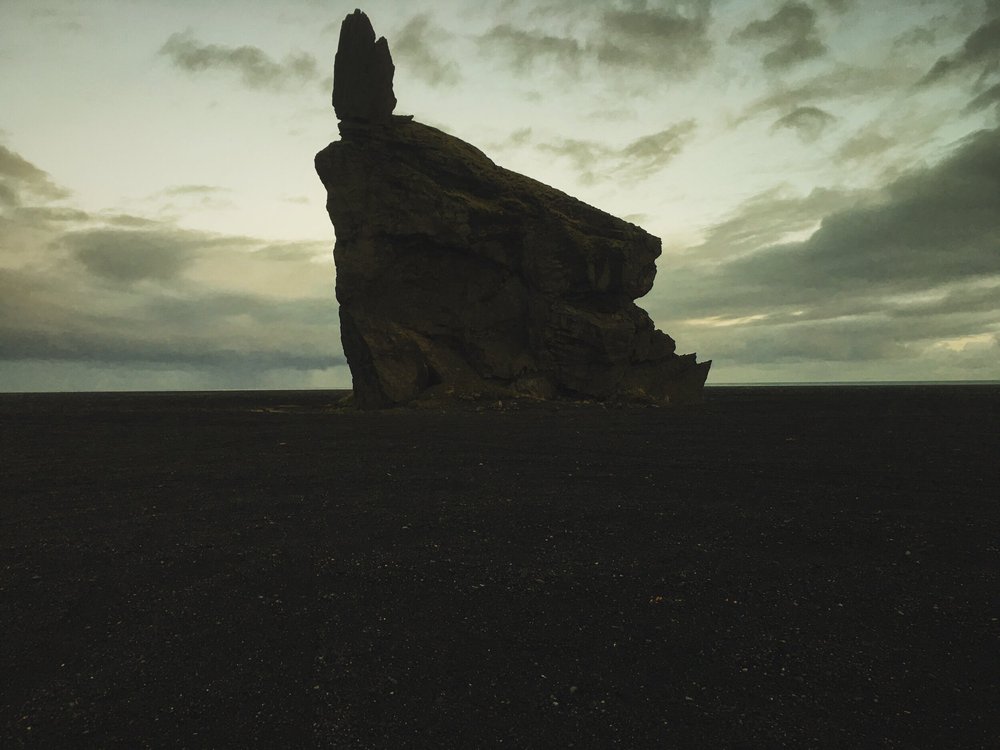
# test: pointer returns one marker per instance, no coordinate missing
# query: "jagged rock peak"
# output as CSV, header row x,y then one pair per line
x,y
362,73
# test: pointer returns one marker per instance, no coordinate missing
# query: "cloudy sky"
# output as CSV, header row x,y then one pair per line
x,y
824,174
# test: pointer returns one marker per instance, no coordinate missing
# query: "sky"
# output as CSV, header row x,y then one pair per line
x,y
824,175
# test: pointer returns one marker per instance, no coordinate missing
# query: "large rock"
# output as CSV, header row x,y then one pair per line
x,y
456,277
362,73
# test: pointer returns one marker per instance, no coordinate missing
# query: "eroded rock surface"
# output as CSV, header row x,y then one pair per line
x,y
458,278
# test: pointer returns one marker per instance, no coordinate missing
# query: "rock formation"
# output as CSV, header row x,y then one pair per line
x,y
456,277
362,73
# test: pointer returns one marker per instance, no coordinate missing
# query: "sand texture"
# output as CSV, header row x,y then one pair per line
x,y
807,567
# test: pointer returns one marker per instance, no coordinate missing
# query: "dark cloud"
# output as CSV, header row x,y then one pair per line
x,y
808,122
8,196
936,225
41,320
793,29
47,214
256,68
637,160
519,137
986,99
637,39
584,155
910,272
123,255
871,337
981,50
840,83
525,48
18,176
419,44
62,315
650,153
931,227
654,38
119,296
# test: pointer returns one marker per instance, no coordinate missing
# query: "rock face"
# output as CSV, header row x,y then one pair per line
x,y
456,277
362,73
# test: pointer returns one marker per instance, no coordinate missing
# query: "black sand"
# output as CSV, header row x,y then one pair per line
x,y
803,567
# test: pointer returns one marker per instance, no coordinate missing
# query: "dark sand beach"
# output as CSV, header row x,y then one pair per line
x,y
778,567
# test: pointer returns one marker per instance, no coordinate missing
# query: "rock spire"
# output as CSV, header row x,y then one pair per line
x,y
362,73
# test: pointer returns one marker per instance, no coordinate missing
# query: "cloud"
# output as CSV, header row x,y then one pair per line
x,y
980,49
650,153
841,82
526,48
136,302
655,39
256,68
900,274
986,99
639,39
637,160
419,43
128,256
932,226
863,145
793,29
42,319
808,122
194,190
18,175
518,138
768,218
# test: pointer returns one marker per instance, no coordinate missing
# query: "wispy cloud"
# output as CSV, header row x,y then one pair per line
x,y
419,43
257,70
524,48
768,219
639,159
792,29
19,176
808,122
199,190
986,99
867,142
640,40
981,50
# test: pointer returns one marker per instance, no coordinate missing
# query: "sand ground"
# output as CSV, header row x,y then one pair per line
x,y
797,567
